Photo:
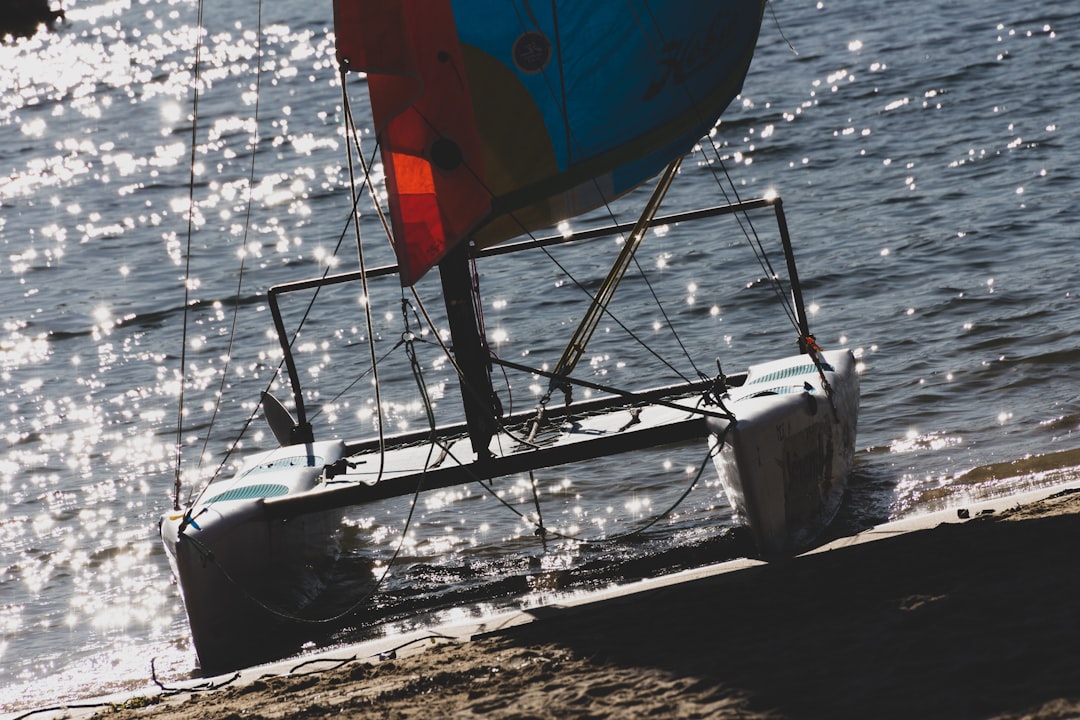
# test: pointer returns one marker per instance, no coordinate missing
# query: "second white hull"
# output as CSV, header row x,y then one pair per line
x,y
784,462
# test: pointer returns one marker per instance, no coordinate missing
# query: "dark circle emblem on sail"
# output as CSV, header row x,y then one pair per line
x,y
446,154
532,51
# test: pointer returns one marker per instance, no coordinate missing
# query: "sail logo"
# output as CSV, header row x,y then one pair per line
x,y
681,59
532,51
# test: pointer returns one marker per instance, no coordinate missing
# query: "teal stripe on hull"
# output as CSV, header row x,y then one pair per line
x,y
787,373
250,492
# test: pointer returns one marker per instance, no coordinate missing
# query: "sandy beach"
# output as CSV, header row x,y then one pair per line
x,y
979,619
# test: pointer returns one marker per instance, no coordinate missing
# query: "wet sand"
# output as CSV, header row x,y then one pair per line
x,y
979,619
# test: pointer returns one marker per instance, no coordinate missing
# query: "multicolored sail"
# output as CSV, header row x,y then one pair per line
x,y
500,117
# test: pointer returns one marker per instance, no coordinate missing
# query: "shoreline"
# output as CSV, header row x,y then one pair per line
x,y
935,616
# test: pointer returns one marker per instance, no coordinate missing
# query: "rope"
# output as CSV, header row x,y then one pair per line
x,y
544,532
712,452
780,29
364,282
358,378
540,529
209,686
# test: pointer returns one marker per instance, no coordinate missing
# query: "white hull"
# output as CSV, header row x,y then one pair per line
x,y
240,572
785,461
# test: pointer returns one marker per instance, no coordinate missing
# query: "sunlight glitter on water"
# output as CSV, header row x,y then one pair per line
x,y
95,101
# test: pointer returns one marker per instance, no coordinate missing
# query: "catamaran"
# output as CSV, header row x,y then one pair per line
x,y
496,119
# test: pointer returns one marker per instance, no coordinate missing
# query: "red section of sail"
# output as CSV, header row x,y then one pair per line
x,y
424,121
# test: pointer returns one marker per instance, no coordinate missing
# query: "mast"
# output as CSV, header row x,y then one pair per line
x,y
805,338
461,295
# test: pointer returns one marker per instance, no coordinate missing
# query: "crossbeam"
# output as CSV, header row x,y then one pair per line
x,y
522,461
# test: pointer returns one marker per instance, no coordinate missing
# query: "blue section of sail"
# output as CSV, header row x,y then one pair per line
x,y
607,74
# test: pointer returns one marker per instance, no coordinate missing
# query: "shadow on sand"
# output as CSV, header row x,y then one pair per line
x,y
969,620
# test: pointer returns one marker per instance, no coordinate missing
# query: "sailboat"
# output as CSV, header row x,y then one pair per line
x,y
495,120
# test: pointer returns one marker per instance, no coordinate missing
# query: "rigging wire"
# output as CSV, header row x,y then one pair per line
x,y
559,97
243,240
759,250
307,312
577,283
195,82
780,29
755,243
667,321
380,422
333,400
